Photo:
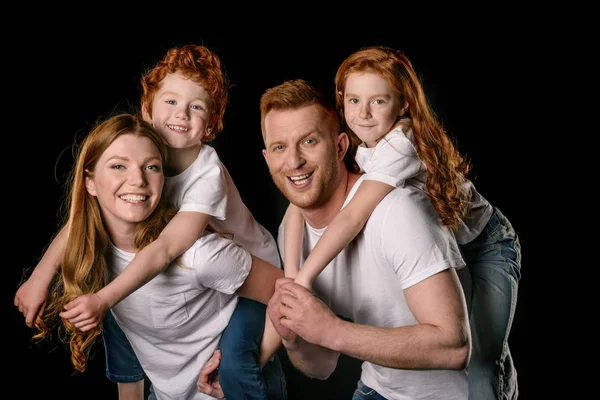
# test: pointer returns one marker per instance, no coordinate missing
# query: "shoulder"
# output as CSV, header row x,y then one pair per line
x,y
207,164
408,204
213,249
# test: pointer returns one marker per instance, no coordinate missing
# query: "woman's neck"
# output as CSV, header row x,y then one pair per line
x,y
123,239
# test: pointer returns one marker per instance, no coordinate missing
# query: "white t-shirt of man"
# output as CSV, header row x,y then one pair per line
x,y
394,160
206,187
175,321
401,244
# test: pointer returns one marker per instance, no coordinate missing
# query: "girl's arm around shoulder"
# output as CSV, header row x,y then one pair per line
x,y
343,229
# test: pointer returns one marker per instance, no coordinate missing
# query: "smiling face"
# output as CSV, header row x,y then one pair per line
x,y
371,107
181,111
127,181
303,154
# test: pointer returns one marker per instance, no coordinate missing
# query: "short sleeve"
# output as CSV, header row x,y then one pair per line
x,y
219,263
393,161
413,241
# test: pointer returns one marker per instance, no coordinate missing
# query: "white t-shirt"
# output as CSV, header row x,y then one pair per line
x,y
175,321
401,244
206,187
394,160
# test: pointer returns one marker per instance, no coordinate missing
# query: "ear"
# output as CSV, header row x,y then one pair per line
x,y
89,184
404,109
265,155
343,142
146,114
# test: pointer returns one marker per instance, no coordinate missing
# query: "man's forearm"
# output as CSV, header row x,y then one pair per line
x,y
420,346
312,360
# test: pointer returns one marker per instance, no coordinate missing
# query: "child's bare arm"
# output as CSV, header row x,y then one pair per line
x,y
269,344
344,227
32,294
292,240
178,236
181,232
259,286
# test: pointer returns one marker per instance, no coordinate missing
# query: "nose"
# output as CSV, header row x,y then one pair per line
x,y
182,112
137,177
364,112
295,159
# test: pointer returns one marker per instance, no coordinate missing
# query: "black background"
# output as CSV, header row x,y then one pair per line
x,y
69,74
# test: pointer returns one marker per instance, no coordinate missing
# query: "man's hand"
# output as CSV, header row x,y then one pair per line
x,y
298,311
85,312
208,381
31,298
275,307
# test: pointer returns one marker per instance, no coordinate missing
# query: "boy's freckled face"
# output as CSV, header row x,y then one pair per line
x,y
181,111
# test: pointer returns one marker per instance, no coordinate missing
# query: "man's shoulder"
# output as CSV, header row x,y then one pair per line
x,y
408,203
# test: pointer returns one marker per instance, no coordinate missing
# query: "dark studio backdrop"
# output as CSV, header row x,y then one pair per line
x,y
68,78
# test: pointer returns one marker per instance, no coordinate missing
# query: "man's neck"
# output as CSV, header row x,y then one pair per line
x,y
181,159
322,216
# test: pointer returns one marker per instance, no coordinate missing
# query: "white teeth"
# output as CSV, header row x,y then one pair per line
x,y
299,177
177,128
133,197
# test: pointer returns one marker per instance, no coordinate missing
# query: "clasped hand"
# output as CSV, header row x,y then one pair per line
x,y
85,312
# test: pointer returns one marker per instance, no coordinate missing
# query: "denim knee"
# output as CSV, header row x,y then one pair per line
x,y
122,365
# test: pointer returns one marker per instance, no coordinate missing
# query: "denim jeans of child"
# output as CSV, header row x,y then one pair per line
x,y
122,365
239,374
363,392
494,262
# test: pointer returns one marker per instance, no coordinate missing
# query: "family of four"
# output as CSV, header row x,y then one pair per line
x,y
159,255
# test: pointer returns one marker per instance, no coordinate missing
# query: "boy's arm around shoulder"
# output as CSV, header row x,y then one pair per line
x,y
32,294
178,236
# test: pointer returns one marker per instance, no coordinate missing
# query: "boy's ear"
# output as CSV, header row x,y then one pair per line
x,y
146,114
89,184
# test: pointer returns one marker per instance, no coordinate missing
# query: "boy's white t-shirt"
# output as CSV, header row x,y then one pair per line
x,y
400,245
394,160
175,321
206,187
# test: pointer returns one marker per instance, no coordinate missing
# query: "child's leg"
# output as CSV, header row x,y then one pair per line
x,y
239,373
494,262
122,365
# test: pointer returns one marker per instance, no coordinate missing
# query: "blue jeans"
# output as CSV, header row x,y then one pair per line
x,y
239,374
494,262
363,392
122,365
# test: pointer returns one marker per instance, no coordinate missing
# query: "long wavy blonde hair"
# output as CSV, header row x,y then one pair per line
x,y
83,262
446,167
